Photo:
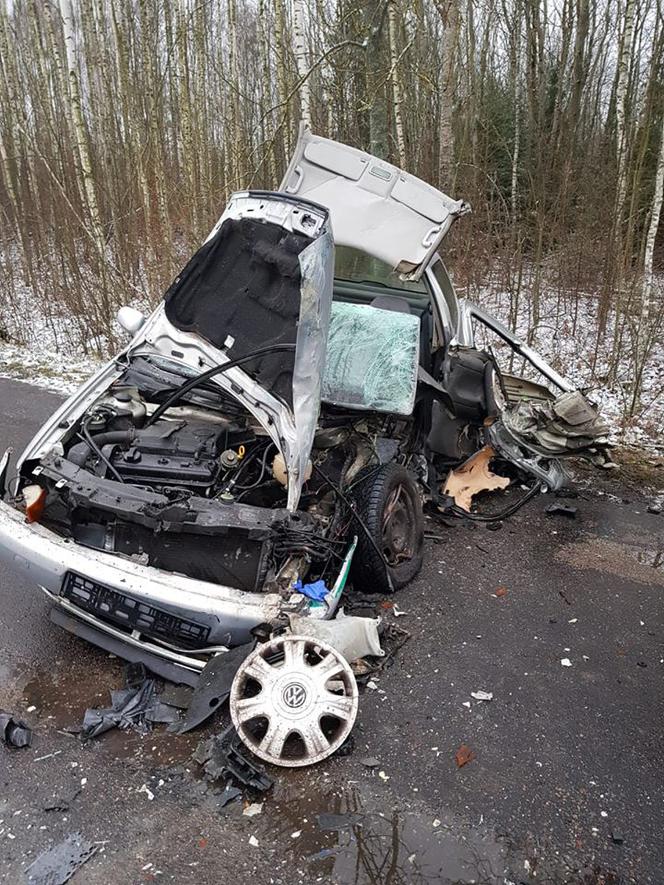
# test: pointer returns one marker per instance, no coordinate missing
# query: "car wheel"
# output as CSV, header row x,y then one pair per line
x,y
389,504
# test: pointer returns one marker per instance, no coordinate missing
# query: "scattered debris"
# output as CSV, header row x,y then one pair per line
x,y
397,612
223,754
558,509
214,685
463,756
370,762
383,776
501,591
60,804
253,809
466,704
14,732
617,836
565,662
136,706
228,795
482,695
148,792
352,636
253,841
58,864
178,696
654,508
296,834
473,476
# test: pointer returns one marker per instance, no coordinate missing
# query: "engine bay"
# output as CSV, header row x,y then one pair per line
x,y
201,489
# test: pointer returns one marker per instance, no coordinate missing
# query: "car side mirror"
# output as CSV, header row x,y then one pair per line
x,y
130,319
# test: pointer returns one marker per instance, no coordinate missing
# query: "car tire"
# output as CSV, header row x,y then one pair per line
x,y
388,501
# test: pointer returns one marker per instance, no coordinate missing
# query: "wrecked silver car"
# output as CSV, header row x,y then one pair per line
x,y
274,427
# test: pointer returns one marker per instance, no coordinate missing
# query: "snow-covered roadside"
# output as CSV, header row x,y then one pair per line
x,y
51,369
51,358
566,337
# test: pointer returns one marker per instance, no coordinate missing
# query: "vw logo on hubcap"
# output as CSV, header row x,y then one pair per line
x,y
294,695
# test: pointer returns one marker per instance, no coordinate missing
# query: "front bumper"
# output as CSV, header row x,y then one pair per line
x,y
45,559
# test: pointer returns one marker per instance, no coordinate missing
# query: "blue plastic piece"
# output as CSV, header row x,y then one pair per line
x,y
318,590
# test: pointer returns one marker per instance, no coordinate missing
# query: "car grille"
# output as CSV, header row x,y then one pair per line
x,y
131,614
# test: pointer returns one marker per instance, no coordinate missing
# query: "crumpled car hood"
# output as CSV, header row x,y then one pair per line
x,y
263,277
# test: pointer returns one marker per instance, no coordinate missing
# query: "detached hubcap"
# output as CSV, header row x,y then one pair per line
x,y
294,701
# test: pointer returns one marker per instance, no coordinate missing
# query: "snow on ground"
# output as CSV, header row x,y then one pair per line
x,y
55,355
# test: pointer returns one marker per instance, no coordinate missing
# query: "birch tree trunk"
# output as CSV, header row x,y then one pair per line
x,y
449,14
80,134
301,61
397,92
642,332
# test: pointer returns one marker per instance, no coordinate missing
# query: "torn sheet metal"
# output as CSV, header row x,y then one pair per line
x,y
136,706
214,686
351,636
473,476
568,425
58,864
14,732
223,755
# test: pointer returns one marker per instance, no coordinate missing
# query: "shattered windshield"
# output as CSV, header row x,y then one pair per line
x,y
353,265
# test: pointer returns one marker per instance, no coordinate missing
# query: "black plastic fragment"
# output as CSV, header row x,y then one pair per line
x,y
58,864
227,796
561,510
14,732
223,755
137,706
214,685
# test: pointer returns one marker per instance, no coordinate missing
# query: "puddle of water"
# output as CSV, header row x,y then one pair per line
x,y
63,695
379,845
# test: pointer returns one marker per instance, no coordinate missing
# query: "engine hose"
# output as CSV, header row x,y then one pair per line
x,y
80,453
210,373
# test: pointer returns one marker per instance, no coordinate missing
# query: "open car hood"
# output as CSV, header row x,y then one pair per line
x,y
263,277
374,206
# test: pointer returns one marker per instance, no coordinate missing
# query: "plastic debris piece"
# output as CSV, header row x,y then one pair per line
x,y
351,636
565,662
473,476
227,796
617,836
296,834
463,756
253,809
466,704
14,732
482,695
58,864
397,612
253,841
223,754
214,686
501,591
318,590
383,776
370,762
148,792
136,706
561,510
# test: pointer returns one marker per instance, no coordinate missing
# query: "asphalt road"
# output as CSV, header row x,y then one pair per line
x,y
565,785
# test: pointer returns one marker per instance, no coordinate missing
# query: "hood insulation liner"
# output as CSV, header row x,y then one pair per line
x,y
244,282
